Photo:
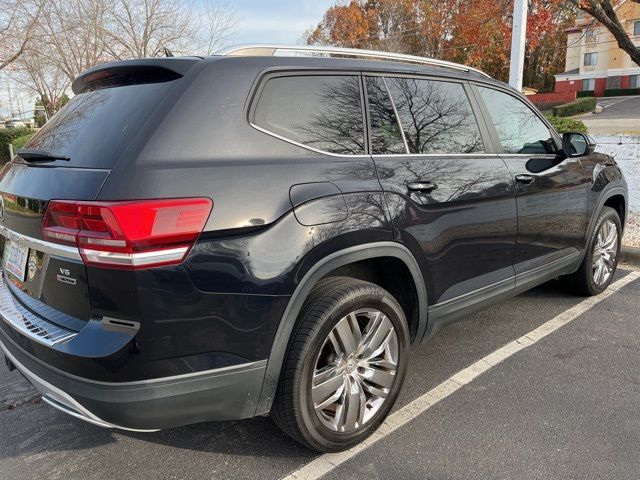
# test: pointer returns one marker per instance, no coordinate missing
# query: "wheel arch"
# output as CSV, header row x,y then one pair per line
x,y
320,270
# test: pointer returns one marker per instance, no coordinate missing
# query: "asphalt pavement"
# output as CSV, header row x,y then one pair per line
x,y
620,115
565,407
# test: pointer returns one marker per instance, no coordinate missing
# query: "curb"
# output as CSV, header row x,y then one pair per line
x,y
630,256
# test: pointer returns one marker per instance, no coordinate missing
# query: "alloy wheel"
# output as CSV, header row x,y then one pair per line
x,y
355,370
605,252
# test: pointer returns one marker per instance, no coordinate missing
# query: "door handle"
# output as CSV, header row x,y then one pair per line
x,y
421,187
525,179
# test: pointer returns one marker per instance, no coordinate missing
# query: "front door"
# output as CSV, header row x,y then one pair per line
x,y
452,204
551,191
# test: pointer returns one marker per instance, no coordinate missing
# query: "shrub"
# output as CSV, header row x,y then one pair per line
x,y
581,105
586,93
562,124
7,136
621,92
20,142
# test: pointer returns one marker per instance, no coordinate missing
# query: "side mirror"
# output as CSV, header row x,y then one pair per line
x,y
575,144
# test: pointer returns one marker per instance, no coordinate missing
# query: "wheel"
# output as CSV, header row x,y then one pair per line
x,y
344,366
601,260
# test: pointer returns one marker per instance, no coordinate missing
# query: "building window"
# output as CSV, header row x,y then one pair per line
x,y
592,35
590,59
634,80
589,85
636,29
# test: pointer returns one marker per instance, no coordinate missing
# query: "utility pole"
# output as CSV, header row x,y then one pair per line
x,y
518,42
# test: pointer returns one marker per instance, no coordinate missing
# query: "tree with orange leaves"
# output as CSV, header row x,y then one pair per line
x,y
474,32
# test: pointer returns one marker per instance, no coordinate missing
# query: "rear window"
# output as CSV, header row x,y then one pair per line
x,y
322,112
95,127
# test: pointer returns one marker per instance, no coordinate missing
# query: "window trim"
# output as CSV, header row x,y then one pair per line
x,y
492,129
261,81
485,134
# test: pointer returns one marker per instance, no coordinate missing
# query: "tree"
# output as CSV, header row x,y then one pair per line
x,y
473,32
18,25
605,12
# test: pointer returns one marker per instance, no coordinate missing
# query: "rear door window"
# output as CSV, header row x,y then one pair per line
x,y
519,129
323,112
436,116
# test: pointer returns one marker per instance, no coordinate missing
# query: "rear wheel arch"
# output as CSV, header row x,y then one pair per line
x,y
328,266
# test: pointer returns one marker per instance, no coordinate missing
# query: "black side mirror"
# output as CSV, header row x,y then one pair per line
x,y
575,144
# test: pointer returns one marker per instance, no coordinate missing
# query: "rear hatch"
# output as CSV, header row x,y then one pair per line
x,y
69,159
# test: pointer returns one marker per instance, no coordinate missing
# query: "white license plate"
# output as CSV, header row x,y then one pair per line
x,y
15,259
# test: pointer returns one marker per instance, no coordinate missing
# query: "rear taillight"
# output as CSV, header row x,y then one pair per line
x,y
129,234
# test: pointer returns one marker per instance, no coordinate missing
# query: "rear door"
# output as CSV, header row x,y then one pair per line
x,y
452,202
551,190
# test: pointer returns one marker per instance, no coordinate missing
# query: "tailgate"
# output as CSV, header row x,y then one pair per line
x,y
48,279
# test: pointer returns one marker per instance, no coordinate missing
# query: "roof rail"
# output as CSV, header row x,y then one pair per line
x,y
265,50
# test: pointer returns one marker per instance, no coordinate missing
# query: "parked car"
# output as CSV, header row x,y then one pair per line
x,y
196,239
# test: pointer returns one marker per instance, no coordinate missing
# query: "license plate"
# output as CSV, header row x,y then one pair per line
x,y
15,260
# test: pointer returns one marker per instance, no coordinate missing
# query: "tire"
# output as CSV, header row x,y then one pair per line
x,y
585,280
317,363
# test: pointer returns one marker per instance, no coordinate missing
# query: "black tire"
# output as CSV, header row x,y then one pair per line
x,y
329,302
582,282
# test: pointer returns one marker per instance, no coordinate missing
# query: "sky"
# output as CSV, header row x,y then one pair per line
x,y
258,21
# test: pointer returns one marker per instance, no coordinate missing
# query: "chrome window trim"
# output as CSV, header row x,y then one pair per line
x,y
307,147
64,251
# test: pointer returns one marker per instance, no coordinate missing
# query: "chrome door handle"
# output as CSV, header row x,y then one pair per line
x,y
525,179
421,187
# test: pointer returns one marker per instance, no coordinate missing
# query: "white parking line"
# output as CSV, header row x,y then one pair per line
x,y
327,462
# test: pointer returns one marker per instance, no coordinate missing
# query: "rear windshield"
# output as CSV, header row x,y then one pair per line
x,y
95,127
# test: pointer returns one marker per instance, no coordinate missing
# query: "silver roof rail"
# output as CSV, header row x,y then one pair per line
x,y
266,50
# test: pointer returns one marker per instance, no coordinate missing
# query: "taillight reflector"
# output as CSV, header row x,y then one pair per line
x,y
128,234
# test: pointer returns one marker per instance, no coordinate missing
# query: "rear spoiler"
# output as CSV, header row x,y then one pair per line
x,y
133,72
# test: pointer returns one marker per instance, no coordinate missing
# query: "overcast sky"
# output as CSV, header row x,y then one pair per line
x,y
259,21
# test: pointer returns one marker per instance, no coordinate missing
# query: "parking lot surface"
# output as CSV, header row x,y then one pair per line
x,y
565,407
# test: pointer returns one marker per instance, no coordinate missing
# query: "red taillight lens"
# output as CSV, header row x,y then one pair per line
x,y
130,234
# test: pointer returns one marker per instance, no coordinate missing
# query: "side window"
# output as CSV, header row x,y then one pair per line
x,y
386,137
436,116
519,128
323,112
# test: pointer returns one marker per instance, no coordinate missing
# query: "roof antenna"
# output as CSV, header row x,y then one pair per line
x,y
167,52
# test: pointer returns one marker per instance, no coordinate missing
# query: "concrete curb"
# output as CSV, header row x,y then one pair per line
x,y
630,256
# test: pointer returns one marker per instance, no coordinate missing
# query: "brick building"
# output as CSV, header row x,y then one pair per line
x,y
594,61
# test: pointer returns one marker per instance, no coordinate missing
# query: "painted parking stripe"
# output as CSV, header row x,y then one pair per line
x,y
327,462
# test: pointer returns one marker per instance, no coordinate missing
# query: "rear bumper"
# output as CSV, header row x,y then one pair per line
x,y
229,393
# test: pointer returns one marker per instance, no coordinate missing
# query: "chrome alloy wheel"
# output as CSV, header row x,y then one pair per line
x,y
605,252
355,370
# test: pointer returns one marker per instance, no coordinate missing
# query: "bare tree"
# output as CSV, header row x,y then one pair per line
x,y
606,13
35,71
144,28
72,34
18,22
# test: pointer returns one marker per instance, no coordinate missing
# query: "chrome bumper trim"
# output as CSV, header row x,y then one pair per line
x,y
64,251
27,323
61,400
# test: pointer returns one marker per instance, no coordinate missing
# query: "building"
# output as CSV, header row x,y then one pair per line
x,y
594,61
